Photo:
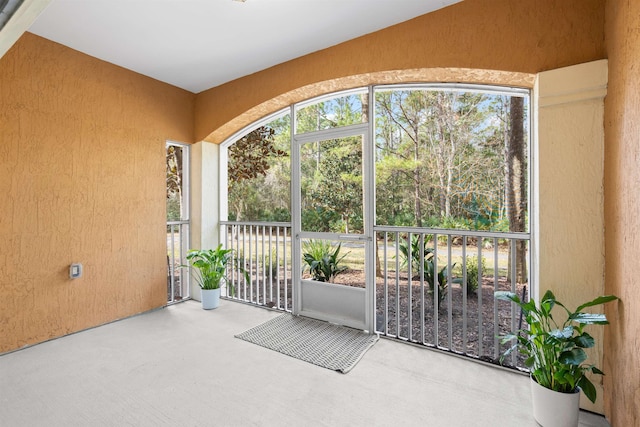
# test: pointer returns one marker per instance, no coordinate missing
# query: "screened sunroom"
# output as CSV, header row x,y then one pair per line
x,y
386,181
325,208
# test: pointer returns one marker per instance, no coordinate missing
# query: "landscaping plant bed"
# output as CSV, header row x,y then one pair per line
x,y
477,340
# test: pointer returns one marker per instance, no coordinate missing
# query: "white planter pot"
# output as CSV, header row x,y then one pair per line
x,y
554,409
210,298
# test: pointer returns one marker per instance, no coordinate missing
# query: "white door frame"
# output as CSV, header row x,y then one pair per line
x,y
349,306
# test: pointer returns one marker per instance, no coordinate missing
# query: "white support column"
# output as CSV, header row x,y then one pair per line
x,y
569,191
205,204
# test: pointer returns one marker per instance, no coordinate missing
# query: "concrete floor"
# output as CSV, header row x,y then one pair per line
x,y
181,366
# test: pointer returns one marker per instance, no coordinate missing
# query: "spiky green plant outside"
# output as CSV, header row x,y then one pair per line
x,y
422,254
323,260
416,247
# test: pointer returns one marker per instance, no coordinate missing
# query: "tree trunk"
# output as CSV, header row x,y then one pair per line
x,y
416,178
450,166
516,185
441,171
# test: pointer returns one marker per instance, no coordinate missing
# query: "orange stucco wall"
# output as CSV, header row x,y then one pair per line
x,y
622,204
83,180
517,36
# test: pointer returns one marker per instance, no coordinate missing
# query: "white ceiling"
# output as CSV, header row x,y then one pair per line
x,y
199,44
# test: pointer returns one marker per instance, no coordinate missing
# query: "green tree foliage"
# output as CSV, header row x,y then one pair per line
x,y
173,157
249,156
333,185
440,155
332,113
331,170
441,160
259,174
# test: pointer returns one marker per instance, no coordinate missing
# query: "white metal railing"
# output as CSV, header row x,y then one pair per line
x,y
416,304
177,246
260,272
413,302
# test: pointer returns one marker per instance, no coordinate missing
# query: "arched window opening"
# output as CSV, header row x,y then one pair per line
x,y
417,196
259,173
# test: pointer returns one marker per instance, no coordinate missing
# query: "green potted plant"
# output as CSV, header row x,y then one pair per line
x,y
211,268
555,356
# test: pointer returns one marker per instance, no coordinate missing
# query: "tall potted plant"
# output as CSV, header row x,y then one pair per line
x,y
555,356
211,267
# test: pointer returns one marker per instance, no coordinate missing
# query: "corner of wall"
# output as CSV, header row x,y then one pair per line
x,y
569,238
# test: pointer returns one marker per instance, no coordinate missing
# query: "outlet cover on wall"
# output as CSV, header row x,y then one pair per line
x,y
75,271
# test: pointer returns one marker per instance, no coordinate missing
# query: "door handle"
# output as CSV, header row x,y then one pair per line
x,y
360,238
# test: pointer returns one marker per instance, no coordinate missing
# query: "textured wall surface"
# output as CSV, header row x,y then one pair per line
x,y
518,36
570,165
82,174
622,208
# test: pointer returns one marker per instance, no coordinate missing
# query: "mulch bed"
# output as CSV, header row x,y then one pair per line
x,y
486,318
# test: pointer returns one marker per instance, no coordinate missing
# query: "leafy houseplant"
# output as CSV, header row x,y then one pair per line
x,y
555,352
322,260
211,266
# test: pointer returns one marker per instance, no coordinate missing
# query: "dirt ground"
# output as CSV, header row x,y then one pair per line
x,y
486,318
